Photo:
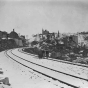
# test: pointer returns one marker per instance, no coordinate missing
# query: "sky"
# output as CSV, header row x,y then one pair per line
x,y
28,17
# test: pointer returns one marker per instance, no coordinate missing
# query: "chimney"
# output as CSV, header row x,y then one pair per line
x,y
13,30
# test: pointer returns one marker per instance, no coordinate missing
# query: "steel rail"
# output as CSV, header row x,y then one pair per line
x,y
51,69
41,72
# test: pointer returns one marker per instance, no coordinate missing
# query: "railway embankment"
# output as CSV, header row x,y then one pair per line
x,y
72,57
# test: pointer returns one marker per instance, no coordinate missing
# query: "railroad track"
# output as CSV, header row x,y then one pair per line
x,y
62,62
50,76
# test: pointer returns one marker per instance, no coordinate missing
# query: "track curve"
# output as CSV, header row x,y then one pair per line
x,y
69,84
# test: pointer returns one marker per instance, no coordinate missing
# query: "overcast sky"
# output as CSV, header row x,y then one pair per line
x,y
30,16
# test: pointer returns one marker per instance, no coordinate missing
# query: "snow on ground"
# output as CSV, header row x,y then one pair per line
x,y
54,65
22,77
